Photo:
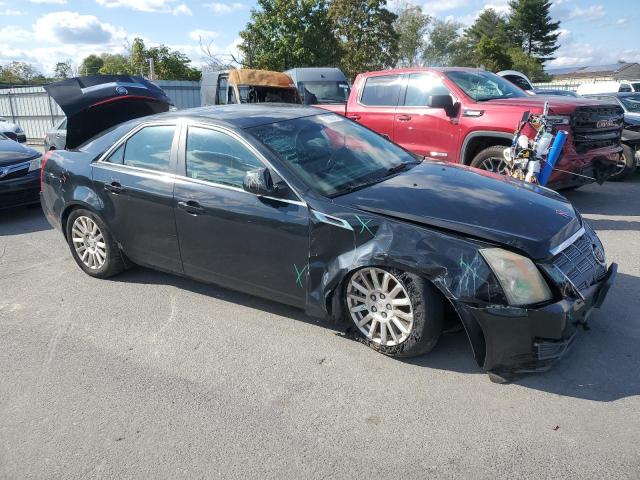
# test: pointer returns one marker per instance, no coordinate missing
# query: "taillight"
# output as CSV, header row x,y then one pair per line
x,y
45,157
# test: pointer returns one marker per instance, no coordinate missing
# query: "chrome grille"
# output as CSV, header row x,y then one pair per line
x,y
10,172
578,262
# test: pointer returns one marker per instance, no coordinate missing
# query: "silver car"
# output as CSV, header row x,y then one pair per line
x,y
56,138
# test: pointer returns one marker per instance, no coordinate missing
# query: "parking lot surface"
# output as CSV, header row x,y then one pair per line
x,y
148,375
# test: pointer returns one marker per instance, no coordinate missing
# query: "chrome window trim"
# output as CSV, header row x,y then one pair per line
x,y
6,170
331,220
556,250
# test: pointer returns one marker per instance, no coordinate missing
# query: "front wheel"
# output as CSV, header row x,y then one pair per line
x,y
626,164
491,159
92,246
395,313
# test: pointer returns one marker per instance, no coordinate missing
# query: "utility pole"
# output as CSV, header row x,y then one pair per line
x,y
152,70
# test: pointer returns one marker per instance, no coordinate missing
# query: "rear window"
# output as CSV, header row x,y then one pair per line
x,y
381,91
150,148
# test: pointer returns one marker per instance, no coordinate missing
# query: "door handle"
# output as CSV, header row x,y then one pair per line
x,y
114,187
404,118
354,117
191,207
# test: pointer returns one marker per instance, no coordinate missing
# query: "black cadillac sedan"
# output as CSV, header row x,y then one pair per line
x,y
19,174
313,210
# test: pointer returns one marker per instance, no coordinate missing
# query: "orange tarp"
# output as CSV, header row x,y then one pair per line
x,y
263,78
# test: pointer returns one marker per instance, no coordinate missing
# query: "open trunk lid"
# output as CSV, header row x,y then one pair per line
x,y
95,103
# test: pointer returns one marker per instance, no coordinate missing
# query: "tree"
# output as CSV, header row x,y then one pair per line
x,y
531,67
533,28
63,70
492,54
91,65
411,26
365,31
490,24
444,43
283,34
20,73
170,64
138,57
115,64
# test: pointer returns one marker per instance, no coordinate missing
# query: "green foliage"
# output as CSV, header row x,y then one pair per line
x,y
115,65
365,31
283,34
411,26
445,45
492,54
63,70
530,66
533,28
20,73
91,65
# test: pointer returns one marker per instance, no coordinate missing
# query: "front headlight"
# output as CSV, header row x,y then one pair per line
x,y
518,276
558,119
35,164
19,130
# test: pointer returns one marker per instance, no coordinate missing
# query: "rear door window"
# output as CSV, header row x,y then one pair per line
x,y
150,148
420,87
381,91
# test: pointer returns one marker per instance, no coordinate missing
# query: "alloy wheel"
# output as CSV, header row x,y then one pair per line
x,y
88,242
494,164
380,306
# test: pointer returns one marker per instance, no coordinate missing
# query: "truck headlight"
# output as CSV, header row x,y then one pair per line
x,y
558,119
35,164
518,276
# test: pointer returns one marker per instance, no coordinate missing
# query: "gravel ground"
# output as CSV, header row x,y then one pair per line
x,y
148,375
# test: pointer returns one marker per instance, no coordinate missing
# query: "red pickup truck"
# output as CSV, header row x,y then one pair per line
x,y
468,116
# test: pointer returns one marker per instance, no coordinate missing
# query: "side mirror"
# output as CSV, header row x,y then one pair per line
x,y
259,182
445,102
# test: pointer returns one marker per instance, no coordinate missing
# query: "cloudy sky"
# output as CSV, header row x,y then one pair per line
x,y
44,32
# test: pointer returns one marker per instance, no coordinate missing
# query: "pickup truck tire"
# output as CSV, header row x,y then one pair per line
x,y
491,159
395,313
626,164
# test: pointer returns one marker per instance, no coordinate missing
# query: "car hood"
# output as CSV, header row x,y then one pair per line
x,y
13,152
473,202
8,127
557,104
95,103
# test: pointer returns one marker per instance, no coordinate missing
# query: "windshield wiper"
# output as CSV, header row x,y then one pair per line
x,y
398,168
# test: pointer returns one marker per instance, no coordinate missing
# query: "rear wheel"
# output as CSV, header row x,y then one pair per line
x,y
491,159
92,246
626,164
396,313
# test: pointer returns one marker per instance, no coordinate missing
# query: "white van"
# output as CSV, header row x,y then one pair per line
x,y
609,87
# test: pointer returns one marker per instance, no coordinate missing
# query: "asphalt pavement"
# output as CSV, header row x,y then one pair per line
x,y
148,375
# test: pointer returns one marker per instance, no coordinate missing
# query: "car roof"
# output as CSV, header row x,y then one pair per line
x,y
243,115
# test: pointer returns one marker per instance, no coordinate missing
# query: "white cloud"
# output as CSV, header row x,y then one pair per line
x,y
182,9
161,6
52,2
13,33
203,34
8,12
74,28
217,7
621,21
593,12
437,6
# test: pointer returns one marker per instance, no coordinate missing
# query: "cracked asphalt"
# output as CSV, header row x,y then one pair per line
x,y
149,375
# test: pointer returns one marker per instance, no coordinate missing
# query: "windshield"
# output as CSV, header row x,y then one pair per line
x,y
631,103
331,154
254,94
636,86
482,86
324,92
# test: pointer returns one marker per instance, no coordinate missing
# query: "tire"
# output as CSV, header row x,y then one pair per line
x,y
423,304
482,159
626,166
79,226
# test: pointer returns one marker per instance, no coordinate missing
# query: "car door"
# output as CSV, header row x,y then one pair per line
x,y
419,128
59,139
135,181
376,106
230,236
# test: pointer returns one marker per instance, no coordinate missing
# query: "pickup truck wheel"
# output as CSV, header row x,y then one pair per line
x,y
395,313
491,159
92,246
626,164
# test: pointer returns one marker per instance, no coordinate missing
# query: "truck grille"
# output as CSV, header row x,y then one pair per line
x,y
597,126
578,261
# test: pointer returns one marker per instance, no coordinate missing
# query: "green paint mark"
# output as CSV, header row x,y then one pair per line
x,y
365,225
299,274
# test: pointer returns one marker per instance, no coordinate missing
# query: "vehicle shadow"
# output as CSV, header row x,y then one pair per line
x,y
21,220
602,366
612,198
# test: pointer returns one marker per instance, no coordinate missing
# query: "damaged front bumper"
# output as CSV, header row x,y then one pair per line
x,y
519,340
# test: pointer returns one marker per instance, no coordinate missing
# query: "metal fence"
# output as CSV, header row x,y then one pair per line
x,y
36,112
557,86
